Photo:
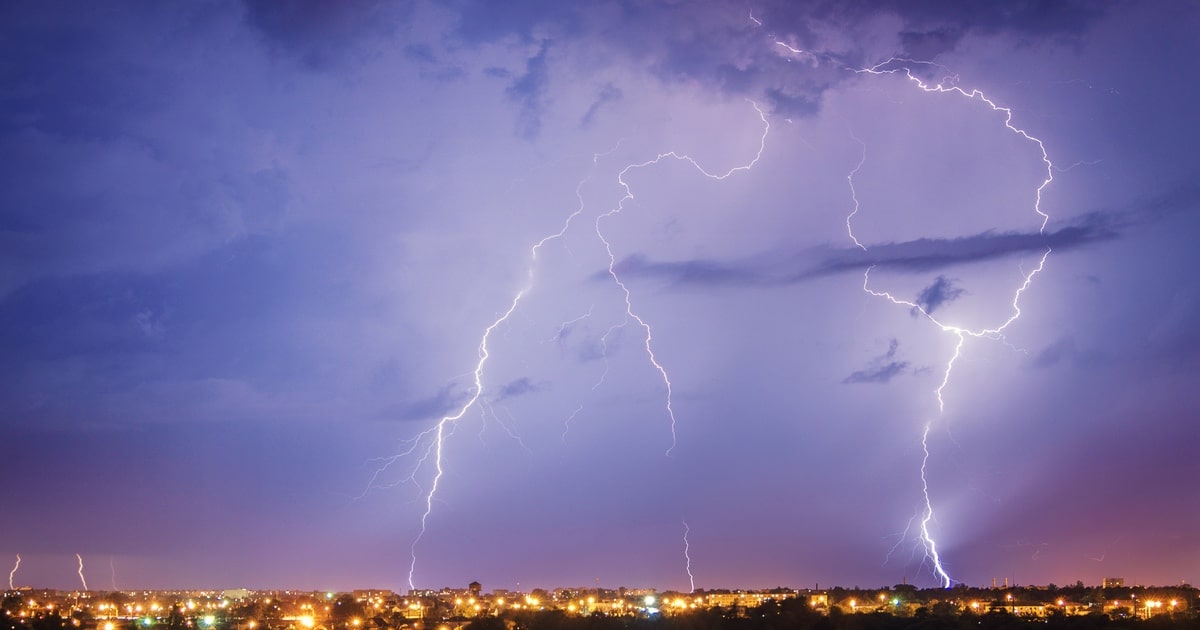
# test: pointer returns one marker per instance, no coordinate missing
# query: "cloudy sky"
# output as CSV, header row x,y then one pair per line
x,y
255,256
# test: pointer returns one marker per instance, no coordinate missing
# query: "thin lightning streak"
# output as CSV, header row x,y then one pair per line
x,y
112,569
507,427
1078,164
687,556
562,329
13,573
930,544
854,193
604,350
900,541
567,422
612,259
81,578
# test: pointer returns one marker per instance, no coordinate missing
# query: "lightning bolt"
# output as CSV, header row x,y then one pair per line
x,y
434,438
564,328
930,543
438,433
612,259
13,573
431,443
112,569
687,557
854,193
961,333
81,578
975,94
567,422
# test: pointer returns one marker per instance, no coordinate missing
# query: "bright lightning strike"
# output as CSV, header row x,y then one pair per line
x,y
13,573
439,431
687,557
930,543
81,578
961,333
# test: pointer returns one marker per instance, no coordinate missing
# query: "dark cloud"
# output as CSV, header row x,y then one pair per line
x,y
881,369
1063,350
321,34
483,21
699,272
944,18
448,399
921,255
683,42
519,387
931,254
422,53
786,104
529,90
608,94
1024,17
929,44
940,292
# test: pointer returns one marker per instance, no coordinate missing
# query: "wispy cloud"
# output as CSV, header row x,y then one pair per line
x,y
882,368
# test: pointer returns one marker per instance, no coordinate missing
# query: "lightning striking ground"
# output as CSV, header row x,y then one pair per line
x,y
13,573
687,557
961,333
930,543
81,578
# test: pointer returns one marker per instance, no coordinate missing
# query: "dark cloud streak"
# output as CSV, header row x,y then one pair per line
x,y
881,369
921,255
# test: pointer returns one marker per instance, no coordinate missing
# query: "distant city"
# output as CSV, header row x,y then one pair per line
x,y
457,608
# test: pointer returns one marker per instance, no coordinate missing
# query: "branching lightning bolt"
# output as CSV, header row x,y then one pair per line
x,y
961,333
687,557
434,438
612,259
439,430
13,573
81,578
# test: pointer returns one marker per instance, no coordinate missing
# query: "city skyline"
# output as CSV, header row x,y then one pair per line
x,y
315,295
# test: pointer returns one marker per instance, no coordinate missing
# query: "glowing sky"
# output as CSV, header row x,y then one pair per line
x,y
248,249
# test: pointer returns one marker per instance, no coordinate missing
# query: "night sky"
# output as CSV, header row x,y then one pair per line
x,y
249,251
